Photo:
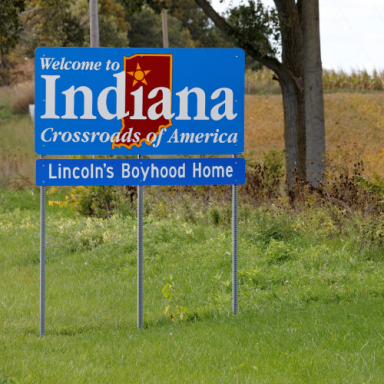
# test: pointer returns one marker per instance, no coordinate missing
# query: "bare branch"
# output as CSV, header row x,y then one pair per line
x,y
31,10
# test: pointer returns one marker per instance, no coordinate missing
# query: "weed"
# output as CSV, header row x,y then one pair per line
x,y
278,252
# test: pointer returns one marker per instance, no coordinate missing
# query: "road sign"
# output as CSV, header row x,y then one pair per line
x,y
73,172
120,101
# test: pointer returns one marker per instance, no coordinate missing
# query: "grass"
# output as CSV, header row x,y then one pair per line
x,y
311,297
17,150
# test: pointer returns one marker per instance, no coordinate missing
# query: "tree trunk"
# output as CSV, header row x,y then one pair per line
x,y
313,90
294,130
292,90
290,75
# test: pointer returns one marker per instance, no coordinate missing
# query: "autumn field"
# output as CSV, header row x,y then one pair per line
x,y
353,121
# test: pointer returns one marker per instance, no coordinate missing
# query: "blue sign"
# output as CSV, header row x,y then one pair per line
x,y
86,172
130,101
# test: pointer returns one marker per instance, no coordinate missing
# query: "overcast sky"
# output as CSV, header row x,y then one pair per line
x,y
352,32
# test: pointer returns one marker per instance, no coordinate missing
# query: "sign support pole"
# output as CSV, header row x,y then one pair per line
x,y
42,258
140,254
235,278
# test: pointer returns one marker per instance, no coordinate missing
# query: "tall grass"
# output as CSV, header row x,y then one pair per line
x,y
22,96
263,82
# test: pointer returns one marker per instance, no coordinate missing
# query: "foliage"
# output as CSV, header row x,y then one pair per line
x,y
278,252
175,308
256,26
146,31
10,24
376,185
202,31
357,80
100,201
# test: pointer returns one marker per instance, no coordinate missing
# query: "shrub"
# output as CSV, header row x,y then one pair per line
x,y
278,252
102,201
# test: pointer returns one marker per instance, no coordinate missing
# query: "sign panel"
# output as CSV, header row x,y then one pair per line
x,y
130,101
86,172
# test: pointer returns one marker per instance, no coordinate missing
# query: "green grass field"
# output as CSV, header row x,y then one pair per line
x,y
311,297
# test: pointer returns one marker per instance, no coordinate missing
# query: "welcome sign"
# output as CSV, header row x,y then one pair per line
x,y
125,101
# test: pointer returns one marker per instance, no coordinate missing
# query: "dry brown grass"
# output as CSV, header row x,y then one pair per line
x,y
22,96
350,118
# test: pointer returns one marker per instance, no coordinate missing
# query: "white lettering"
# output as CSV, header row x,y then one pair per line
x,y
174,137
110,173
172,172
232,138
106,138
50,94
207,171
145,172
217,169
84,174
185,137
183,109
70,103
120,98
135,172
125,169
165,102
43,135
153,170
228,105
196,170
229,171
74,174
138,105
50,172
165,173
46,62
181,171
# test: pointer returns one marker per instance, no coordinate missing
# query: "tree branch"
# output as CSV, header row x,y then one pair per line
x,y
214,16
278,5
270,62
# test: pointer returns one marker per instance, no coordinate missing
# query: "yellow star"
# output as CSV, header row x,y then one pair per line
x,y
138,75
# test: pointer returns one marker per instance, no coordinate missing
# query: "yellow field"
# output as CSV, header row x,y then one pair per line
x,y
350,118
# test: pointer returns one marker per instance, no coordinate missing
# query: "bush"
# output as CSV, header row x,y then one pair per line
x,y
102,201
278,252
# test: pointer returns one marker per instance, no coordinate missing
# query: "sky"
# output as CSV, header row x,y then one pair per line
x,y
352,32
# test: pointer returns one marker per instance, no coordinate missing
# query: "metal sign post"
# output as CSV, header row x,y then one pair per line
x,y
140,254
201,92
235,278
42,258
